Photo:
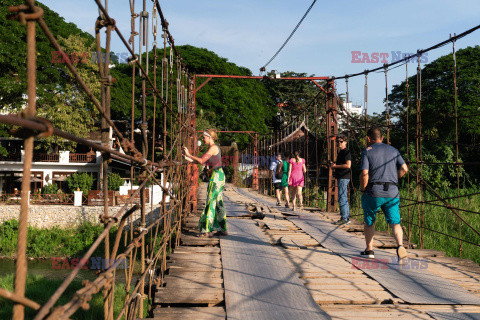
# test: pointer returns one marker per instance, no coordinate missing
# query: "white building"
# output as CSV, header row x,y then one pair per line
x,y
46,168
353,110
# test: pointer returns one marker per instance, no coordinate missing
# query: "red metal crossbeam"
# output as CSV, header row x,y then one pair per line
x,y
258,77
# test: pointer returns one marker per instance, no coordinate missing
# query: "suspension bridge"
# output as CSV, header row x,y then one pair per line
x,y
273,264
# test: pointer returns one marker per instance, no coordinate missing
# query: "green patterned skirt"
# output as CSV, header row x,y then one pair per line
x,y
214,216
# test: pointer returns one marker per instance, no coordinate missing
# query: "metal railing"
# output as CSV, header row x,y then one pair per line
x,y
143,242
44,157
82,157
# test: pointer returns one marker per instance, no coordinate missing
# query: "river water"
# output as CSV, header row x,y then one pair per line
x,y
59,269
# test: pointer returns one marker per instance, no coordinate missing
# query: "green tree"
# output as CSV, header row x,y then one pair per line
x,y
114,181
225,104
82,181
437,107
59,99
69,109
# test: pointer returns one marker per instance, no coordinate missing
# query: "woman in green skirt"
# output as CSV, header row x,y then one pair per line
x,y
286,165
214,217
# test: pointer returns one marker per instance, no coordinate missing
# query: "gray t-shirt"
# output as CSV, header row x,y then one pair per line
x,y
382,162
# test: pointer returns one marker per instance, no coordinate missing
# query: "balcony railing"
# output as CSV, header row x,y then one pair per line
x,y
43,157
56,157
82,157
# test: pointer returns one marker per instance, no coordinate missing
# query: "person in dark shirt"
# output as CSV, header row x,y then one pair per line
x,y
381,167
342,173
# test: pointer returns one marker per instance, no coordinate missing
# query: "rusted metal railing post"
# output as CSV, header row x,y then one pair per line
x,y
30,111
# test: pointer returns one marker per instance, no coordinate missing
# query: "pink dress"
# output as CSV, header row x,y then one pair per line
x,y
296,176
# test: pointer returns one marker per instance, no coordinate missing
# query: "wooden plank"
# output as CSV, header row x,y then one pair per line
x,y
193,312
301,243
394,314
403,308
350,297
188,284
285,232
199,241
258,281
200,258
194,268
323,287
180,256
287,243
273,225
209,250
190,296
320,280
422,253
193,264
181,271
203,277
331,270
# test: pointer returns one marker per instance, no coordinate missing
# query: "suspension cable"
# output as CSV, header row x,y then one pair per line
x,y
289,37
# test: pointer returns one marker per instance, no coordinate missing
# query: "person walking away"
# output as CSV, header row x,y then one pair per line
x,y
277,173
296,179
285,180
342,167
214,217
381,167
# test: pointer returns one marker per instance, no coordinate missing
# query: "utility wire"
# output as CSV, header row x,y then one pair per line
x,y
289,37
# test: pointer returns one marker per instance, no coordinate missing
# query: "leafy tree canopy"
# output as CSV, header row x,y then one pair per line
x,y
438,107
225,104
59,98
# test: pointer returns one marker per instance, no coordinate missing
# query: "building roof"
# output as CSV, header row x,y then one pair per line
x,y
299,132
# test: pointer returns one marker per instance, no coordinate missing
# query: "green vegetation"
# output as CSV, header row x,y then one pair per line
x,y
438,109
224,104
114,181
82,181
55,242
59,98
40,289
51,188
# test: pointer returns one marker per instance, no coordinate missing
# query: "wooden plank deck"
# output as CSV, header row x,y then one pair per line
x,y
258,283
330,279
249,275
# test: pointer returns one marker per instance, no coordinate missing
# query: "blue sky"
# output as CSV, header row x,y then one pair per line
x,y
249,32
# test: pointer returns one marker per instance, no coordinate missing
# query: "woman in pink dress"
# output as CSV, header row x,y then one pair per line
x,y
296,179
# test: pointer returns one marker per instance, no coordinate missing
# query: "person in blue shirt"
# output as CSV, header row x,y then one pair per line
x,y
381,167
277,182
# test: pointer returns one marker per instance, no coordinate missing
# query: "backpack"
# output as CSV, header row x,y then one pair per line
x,y
279,171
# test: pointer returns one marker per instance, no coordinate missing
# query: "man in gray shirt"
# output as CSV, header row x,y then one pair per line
x,y
381,167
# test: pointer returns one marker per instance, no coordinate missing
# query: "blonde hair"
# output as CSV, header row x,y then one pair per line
x,y
212,132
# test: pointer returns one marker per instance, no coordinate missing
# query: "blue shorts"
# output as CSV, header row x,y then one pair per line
x,y
390,208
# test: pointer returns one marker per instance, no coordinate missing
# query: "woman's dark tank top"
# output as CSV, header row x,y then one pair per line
x,y
215,161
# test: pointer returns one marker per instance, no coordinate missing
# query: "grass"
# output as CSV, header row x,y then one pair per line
x,y
54,242
39,289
